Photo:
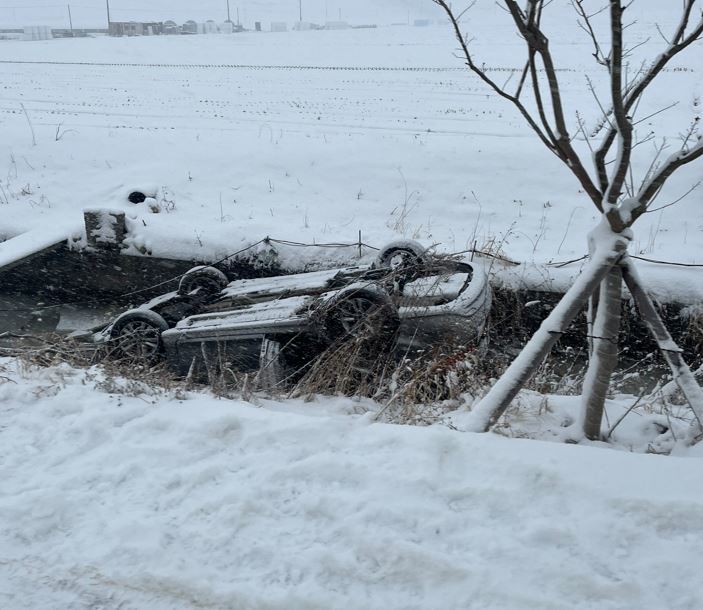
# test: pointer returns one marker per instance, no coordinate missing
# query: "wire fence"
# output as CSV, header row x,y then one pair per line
x,y
359,245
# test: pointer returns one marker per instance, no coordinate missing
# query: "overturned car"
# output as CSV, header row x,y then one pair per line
x,y
278,325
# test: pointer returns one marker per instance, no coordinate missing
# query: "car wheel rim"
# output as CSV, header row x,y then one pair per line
x,y
139,340
354,316
401,259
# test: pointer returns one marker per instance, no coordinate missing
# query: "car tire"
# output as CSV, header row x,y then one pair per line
x,y
360,312
401,251
403,259
206,280
136,336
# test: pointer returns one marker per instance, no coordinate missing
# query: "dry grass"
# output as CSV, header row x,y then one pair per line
x,y
116,376
423,389
416,389
4,378
692,335
355,366
49,350
413,389
560,373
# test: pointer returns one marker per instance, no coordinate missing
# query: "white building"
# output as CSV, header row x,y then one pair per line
x,y
209,27
37,32
305,26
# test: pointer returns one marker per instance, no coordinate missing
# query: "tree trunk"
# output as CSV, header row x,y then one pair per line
x,y
590,320
493,405
682,375
604,358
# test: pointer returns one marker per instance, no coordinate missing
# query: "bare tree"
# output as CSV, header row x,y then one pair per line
x,y
608,185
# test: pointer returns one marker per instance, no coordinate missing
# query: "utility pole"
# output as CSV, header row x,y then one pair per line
x,y
300,10
228,17
107,2
70,20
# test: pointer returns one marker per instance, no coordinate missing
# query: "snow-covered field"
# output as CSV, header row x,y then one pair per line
x,y
116,496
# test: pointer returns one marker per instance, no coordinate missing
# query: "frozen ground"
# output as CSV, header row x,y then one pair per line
x,y
112,498
315,136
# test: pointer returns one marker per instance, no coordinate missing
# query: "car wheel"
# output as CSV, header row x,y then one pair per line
x,y
136,336
206,280
361,313
402,258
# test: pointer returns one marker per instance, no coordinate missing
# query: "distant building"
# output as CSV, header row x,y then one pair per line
x,y
337,25
77,32
189,27
279,26
209,27
11,34
66,33
304,26
37,32
171,28
136,28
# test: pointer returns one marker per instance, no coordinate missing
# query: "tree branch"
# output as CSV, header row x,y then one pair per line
x,y
554,134
587,27
622,121
528,26
679,42
658,178
486,79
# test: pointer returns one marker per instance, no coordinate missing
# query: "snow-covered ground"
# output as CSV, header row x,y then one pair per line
x,y
315,136
112,498
117,496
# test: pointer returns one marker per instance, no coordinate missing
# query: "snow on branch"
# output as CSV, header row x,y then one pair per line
x,y
608,248
649,189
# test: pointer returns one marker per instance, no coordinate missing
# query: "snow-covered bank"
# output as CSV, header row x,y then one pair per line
x,y
166,501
